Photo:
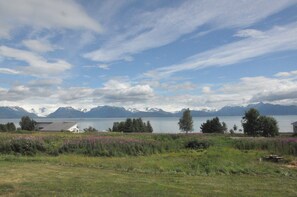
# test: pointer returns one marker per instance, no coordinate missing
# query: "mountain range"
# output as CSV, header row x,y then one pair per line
x,y
117,112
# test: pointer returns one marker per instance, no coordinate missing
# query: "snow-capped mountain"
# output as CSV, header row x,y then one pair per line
x,y
116,112
148,109
41,112
66,112
133,110
15,112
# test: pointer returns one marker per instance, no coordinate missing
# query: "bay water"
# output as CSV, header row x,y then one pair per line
x,y
161,124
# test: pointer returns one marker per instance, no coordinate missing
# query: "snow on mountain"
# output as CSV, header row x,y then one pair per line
x,y
133,110
83,110
42,111
148,109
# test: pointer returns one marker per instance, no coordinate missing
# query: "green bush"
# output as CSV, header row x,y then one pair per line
x,y
7,127
195,144
214,126
23,146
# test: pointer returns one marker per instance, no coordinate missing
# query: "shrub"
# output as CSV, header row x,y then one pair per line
x,y
213,126
90,130
195,144
23,146
7,127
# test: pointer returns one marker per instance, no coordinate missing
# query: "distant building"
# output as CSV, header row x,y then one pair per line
x,y
294,127
58,126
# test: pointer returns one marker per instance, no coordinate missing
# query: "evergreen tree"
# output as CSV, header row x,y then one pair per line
x,y
27,123
131,125
149,127
186,122
128,125
214,126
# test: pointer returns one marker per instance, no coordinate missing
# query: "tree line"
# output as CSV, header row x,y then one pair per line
x,y
7,127
132,125
253,124
26,123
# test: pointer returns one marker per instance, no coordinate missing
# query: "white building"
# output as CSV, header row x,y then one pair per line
x,y
58,126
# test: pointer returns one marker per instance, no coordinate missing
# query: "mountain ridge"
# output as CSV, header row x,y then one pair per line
x,y
120,112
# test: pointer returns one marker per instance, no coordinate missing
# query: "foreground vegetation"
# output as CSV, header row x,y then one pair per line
x,y
115,164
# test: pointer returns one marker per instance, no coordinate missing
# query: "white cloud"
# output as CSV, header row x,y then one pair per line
x,y
39,45
48,92
36,65
246,33
8,71
206,89
157,28
115,91
45,82
261,89
286,74
103,66
44,14
275,40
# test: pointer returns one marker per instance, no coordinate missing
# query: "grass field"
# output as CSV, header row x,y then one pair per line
x,y
172,169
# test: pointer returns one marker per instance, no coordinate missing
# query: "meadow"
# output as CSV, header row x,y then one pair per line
x,y
115,164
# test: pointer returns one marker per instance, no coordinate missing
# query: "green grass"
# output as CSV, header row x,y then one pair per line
x,y
220,170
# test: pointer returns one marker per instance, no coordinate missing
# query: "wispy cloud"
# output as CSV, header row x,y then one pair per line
x,y
44,14
275,40
160,27
8,71
124,92
246,33
33,63
286,74
40,46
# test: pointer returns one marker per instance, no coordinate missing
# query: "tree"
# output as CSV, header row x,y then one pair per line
x,y
27,123
128,125
250,122
132,125
186,122
10,126
214,126
235,127
149,127
256,125
224,127
268,126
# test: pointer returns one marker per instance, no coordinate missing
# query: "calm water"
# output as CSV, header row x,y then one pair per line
x,y
163,125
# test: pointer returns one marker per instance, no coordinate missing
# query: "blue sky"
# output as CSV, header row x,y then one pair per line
x,y
201,54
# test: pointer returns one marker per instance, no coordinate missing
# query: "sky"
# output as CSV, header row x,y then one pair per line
x,y
197,54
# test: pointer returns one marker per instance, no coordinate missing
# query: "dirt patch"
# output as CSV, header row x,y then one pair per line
x,y
292,164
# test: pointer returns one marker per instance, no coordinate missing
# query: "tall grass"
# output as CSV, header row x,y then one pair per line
x,y
23,146
99,145
110,146
287,146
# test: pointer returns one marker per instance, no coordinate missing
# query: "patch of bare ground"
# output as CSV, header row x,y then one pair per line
x,y
292,164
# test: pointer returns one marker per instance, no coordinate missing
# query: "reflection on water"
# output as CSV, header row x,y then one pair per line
x,y
162,125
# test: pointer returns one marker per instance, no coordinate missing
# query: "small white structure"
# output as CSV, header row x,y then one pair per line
x,y
58,126
294,127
